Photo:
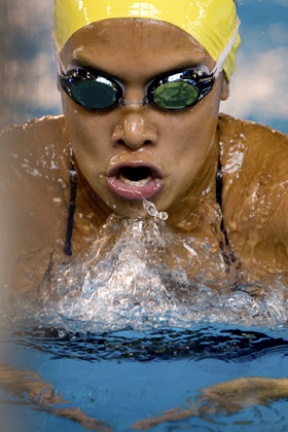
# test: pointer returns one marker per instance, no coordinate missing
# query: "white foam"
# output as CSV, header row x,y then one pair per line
x,y
137,274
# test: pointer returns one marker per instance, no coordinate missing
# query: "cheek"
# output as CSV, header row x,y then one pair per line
x,y
86,130
192,130
192,142
84,140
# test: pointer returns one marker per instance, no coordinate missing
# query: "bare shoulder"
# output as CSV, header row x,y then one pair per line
x,y
255,191
248,136
34,187
253,157
33,140
34,162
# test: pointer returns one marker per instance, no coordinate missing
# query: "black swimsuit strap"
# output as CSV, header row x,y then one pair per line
x,y
72,206
219,184
219,188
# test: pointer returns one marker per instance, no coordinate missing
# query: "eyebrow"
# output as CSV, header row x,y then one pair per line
x,y
90,67
82,63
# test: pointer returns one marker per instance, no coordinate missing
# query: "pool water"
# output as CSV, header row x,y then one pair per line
x,y
123,337
123,377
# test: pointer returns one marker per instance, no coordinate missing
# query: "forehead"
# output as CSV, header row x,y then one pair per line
x,y
142,43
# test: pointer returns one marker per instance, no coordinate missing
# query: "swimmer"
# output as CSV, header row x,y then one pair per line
x,y
141,86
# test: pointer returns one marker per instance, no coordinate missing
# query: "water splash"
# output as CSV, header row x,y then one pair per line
x,y
139,274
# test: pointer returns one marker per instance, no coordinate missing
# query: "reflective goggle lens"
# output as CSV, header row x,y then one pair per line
x,y
94,94
173,92
175,95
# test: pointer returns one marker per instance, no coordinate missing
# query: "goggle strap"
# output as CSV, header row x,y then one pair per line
x,y
60,66
224,54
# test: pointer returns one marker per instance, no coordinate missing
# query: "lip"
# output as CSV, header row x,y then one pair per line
x,y
126,181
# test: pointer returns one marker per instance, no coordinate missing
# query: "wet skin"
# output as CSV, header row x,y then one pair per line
x,y
179,151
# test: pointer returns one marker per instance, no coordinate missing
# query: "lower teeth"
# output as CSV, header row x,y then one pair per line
x,y
135,182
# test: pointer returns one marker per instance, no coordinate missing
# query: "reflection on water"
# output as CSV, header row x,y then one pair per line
x,y
124,377
195,343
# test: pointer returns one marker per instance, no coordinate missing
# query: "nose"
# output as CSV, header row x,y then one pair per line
x,y
132,129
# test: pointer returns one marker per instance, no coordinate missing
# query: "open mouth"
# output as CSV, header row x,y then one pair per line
x,y
135,176
135,181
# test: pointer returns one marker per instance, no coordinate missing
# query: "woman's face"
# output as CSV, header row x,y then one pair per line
x,y
134,152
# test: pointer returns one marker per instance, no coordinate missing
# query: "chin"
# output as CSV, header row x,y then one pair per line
x,y
128,208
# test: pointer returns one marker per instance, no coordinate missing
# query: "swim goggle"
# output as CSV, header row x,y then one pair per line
x,y
173,91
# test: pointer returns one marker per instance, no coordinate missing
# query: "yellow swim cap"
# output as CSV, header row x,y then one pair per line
x,y
213,23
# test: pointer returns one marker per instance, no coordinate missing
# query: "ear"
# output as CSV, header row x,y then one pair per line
x,y
225,89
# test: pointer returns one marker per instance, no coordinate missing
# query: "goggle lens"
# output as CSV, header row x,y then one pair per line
x,y
94,94
175,95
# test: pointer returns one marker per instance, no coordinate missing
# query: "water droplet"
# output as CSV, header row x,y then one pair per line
x,y
150,209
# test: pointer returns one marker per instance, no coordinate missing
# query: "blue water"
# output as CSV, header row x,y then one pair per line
x,y
123,377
